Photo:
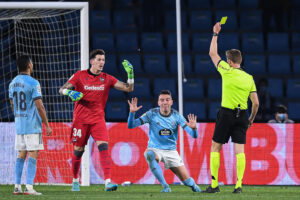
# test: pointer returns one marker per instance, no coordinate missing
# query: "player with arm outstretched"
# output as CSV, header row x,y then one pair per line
x,y
232,119
91,88
26,102
163,133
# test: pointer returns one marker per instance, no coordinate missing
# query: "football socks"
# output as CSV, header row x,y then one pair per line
x,y
18,170
75,165
31,170
155,168
240,168
105,160
214,168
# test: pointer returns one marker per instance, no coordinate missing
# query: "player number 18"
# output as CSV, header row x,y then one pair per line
x,y
76,132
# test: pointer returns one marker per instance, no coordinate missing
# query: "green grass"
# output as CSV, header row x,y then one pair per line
x,y
153,192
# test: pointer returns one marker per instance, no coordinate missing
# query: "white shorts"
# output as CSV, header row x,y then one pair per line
x,y
170,158
29,142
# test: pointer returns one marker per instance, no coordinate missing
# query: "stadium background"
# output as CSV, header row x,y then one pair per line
x,y
147,37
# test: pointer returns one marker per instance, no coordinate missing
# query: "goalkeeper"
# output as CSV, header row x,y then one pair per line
x,y
163,131
91,88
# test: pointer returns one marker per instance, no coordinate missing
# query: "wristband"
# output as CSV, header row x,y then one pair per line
x,y
65,92
215,34
130,81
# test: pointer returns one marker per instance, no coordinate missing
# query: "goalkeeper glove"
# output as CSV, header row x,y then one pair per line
x,y
128,68
74,95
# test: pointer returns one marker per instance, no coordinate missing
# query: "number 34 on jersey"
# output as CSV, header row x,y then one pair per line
x,y
77,133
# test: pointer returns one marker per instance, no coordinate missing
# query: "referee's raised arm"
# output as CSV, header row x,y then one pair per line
x,y
213,50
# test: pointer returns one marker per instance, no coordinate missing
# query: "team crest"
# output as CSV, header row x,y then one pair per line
x,y
173,123
101,79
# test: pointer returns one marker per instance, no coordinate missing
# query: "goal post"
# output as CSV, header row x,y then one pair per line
x,y
84,19
56,36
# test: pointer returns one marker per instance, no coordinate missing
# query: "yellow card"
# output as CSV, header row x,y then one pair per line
x,y
223,20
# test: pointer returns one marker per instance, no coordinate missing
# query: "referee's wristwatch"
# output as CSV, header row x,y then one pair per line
x,y
215,34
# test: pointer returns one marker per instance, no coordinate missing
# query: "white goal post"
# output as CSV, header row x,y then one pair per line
x,y
84,45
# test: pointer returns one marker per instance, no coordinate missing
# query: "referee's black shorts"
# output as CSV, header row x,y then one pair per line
x,y
229,125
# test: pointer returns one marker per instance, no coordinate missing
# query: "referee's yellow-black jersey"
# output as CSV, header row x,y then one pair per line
x,y
236,86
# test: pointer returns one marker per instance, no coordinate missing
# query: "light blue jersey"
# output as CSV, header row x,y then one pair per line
x,y
163,130
24,90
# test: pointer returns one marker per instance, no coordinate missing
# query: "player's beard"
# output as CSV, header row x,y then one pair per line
x,y
166,109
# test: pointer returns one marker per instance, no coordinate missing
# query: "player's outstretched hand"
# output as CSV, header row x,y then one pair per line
x,y
74,95
128,68
217,27
192,121
133,105
48,130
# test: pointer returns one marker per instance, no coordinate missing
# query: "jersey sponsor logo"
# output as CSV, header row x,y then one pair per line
x,y
165,132
223,68
101,87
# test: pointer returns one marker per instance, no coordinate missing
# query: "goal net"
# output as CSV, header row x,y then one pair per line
x,y
52,38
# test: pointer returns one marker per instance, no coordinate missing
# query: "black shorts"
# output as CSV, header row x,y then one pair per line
x,y
229,125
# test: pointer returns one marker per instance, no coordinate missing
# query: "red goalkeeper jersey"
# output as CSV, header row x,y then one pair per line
x,y
95,89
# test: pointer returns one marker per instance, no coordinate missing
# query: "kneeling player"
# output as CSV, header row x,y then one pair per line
x,y
163,132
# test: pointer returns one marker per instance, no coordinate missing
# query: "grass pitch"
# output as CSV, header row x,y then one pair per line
x,y
153,192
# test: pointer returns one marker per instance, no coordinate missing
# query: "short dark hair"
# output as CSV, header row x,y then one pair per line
x,y
281,109
168,92
234,55
96,52
22,62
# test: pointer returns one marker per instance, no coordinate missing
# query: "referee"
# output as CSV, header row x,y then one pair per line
x,y
232,120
